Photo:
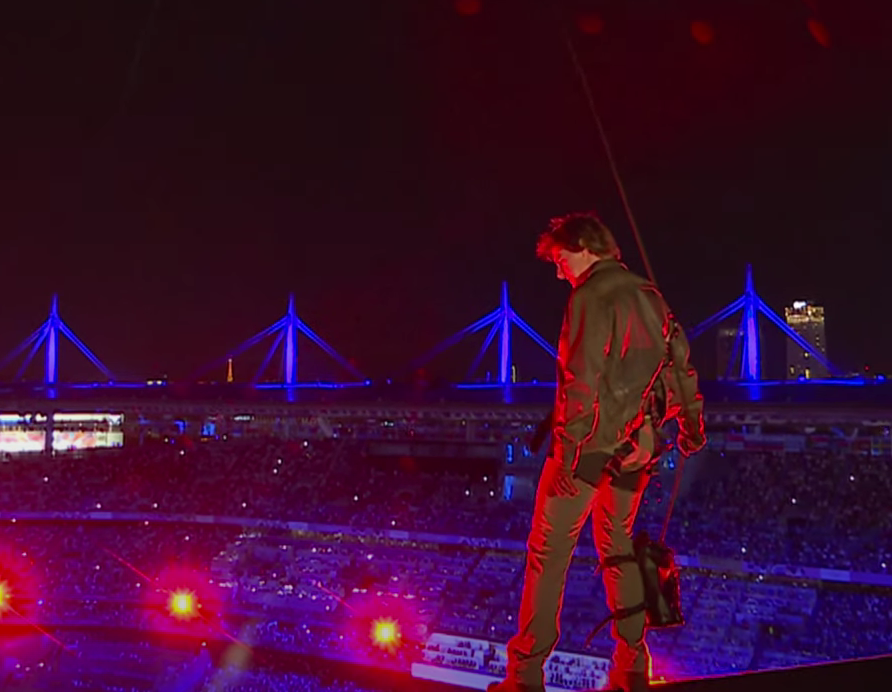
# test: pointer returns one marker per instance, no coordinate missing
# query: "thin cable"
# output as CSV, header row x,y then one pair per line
x,y
605,142
141,44
674,496
587,89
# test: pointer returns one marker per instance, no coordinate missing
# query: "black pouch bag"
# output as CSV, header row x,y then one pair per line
x,y
662,585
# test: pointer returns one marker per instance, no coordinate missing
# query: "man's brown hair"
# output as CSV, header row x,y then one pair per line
x,y
577,232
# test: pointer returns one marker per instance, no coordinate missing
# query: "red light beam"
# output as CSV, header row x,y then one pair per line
x,y
335,596
129,566
37,627
176,601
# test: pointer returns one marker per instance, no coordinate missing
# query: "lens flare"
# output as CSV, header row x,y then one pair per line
x,y
181,604
386,634
5,597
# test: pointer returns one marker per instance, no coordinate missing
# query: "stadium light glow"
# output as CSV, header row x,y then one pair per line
x,y
386,634
5,597
182,605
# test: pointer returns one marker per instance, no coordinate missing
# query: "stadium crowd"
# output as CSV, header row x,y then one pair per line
x,y
819,509
301,592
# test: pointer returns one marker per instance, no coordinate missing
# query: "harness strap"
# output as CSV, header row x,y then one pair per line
x,y
614,560
619,614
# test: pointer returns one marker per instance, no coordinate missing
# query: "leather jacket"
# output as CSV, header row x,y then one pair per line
x,y
619,348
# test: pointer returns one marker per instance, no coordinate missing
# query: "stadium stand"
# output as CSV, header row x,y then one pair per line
x,y
787,556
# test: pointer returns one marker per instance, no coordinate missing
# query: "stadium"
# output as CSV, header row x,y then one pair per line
x,y
186,508
303,536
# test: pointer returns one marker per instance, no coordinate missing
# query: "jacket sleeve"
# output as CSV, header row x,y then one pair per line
x,y
685,402
541,432
585,343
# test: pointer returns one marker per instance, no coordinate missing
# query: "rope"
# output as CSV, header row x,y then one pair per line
x,y
617,179
608,150
674,496
140,48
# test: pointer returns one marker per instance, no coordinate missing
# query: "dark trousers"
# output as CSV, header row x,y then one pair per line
x,y
557,521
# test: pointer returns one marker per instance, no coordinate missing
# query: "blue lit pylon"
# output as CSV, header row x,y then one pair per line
x,y
290,355
285,330
48,333
751,365
750,305
499,321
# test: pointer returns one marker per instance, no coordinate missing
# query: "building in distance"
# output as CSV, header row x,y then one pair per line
x,y
807,320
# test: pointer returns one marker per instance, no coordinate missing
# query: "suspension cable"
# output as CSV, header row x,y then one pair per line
x,y
608,150
617,179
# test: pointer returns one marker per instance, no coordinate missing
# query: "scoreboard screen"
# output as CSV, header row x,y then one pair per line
x,y
22,433
71,431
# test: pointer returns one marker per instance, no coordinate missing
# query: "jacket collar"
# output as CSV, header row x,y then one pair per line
x,y
599,267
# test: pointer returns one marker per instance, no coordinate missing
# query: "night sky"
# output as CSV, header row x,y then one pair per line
x,y
392,162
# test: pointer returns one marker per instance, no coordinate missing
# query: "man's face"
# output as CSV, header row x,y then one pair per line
x,y
572,265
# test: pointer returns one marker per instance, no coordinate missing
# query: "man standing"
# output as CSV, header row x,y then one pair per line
x,y
622,372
